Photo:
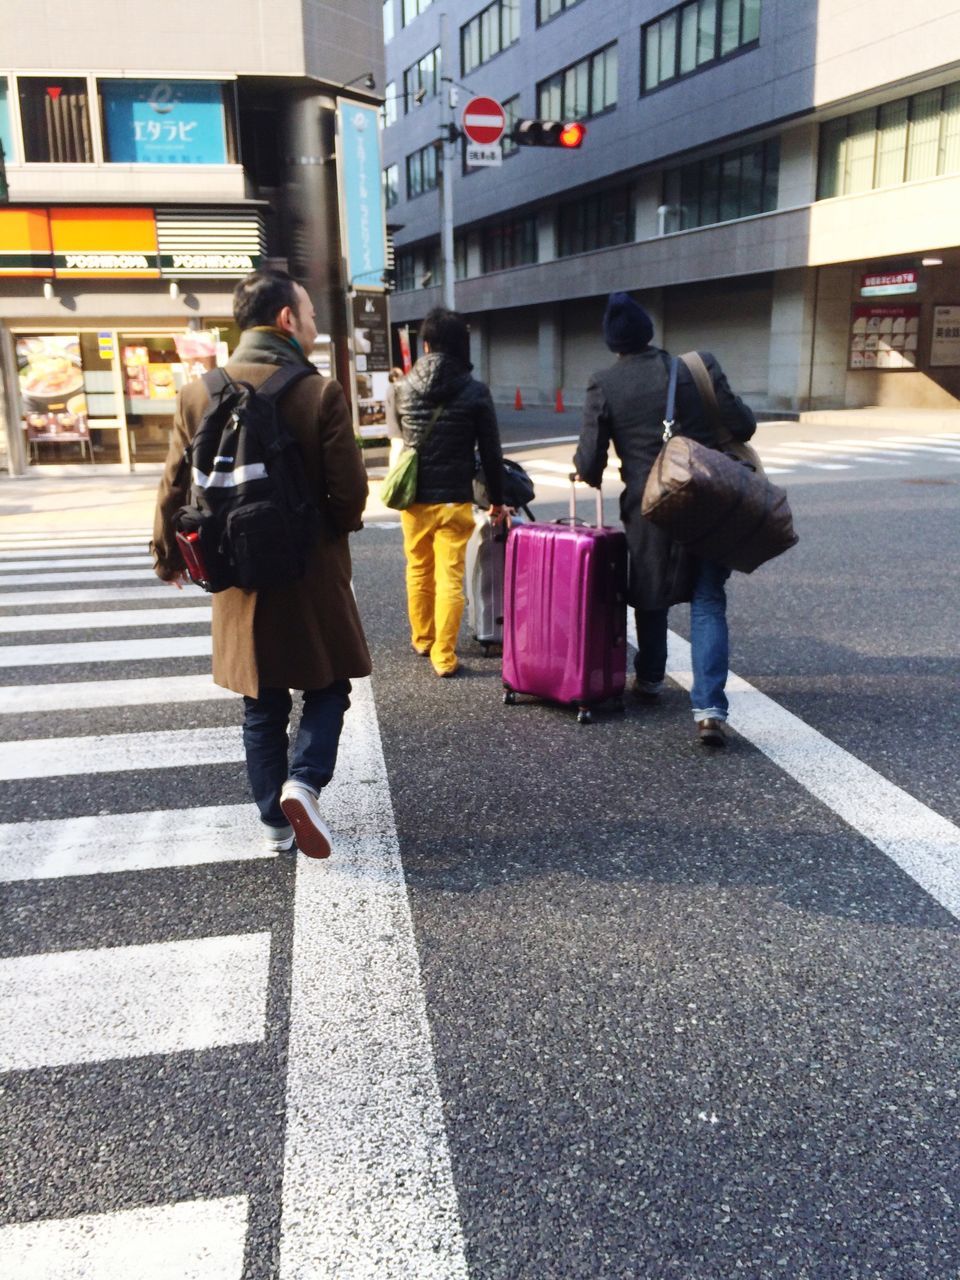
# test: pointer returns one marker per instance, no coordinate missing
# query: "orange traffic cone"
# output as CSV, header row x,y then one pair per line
x,y
518,400
559,405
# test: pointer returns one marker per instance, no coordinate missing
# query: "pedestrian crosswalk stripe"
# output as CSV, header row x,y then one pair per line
x,y
369,1115
105,843
108,618
921,842
42,655
123,1002
119,752
71,551
161,591
109,562
78,575
25,699
190,1240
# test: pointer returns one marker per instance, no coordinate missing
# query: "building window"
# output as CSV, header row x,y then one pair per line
x,y
406,270
547,9
391,185
735,184
595,222
422,171
512,242
168,122
696,35
494,28
422,78
432,274
388,112
6,134
586,89
511,110
902,141
460,257
388,29
56,120
411,8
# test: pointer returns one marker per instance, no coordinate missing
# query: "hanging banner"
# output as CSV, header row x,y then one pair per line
x,y
362,226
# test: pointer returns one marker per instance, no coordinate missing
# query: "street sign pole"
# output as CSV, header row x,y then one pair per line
x,y
448,148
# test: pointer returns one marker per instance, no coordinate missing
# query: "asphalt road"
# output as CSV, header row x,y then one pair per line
x,y
681,1018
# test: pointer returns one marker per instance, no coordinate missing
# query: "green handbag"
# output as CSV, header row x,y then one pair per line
x,y
399,488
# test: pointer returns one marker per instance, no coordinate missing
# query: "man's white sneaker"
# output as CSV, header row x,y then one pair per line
x,y
300,807
277,839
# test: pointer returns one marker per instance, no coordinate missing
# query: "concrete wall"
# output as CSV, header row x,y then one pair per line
x,y
513,355
731,319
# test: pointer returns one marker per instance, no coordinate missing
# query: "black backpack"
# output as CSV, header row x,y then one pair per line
x,y
252,517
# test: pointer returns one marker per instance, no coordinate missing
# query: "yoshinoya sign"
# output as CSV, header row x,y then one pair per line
x,y
483,121
879,284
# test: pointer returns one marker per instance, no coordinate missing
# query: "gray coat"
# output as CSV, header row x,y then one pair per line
x,y
625,406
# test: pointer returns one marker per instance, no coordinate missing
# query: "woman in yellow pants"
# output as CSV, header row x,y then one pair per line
x,y
446,415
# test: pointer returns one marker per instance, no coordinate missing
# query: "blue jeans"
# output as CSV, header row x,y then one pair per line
x,y
265,743
709,644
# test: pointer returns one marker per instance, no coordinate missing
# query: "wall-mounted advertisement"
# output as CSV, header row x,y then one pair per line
x,y
164,121
884,337
945,341
362,227
879,284
371,349
52,394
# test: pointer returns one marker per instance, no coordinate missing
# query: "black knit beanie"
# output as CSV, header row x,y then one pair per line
x,y
626,325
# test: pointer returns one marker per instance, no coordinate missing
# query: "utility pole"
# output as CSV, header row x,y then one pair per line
x,y
448,147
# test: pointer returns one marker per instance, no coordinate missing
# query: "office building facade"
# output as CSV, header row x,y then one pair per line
x,y
776,180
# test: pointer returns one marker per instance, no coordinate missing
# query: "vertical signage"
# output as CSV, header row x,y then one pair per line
x,y
361,195
945,343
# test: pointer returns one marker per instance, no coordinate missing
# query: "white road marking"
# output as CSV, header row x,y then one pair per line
x,y
70,550
921,842
533,444
119,752
104,619
946,451
77,537
191,1240
66,1007
79,575
368,1115
161,591
42,655
564,468
22,699
108,562
115,842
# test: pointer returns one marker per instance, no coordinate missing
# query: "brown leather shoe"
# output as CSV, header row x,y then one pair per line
x,y
711,733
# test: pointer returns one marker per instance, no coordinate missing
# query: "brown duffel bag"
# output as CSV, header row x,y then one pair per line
x,y
718,505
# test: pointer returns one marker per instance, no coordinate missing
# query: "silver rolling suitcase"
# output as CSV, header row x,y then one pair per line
x,y
486,555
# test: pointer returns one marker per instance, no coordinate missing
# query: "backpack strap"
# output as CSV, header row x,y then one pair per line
x,y
284,378
708,396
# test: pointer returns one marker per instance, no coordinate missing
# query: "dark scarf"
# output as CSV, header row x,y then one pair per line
x,y
266,345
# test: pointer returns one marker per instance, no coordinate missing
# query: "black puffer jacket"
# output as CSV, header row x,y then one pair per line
x,y
467,422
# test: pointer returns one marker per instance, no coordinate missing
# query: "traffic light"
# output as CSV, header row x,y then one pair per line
x,y
549,133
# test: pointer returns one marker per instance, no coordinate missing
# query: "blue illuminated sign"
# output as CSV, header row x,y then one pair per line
x,y
362,194
164,121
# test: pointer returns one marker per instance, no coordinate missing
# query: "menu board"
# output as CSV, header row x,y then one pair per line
x,y
371,345
945,342
884,337
51,384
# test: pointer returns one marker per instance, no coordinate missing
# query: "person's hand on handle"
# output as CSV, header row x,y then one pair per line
x,y
499,515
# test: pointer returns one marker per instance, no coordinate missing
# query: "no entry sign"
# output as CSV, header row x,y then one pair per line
x,y
483,120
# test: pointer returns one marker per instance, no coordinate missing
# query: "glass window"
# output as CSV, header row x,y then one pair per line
x,y
388,31
413,7
585,89
891,143
390,104
771,174
391,185
730,186
735,184
923,138
950,132
751,181
406,271
751,21
595,222
610,76
690,196
668,47
510,243
547,9
688,38
651,56
707,32
6,136
860,151
729,26
56,120
421,171
710,191
166,121
833,142
511,110
493,29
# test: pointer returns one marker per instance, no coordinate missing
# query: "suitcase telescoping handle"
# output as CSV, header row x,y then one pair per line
x,y
573,502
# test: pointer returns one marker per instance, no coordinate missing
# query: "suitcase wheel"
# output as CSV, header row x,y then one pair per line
x,y
509,698
584,716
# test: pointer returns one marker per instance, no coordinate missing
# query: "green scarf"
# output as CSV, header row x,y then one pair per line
x,y
265,344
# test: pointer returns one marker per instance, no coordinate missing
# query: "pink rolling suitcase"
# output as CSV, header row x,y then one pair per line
x,y
565,613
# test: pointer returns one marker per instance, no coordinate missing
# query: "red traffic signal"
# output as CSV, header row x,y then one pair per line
x,y
549,133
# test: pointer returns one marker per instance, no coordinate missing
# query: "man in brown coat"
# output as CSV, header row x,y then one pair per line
x,y
304,635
